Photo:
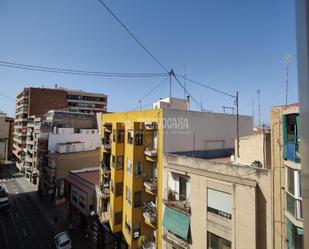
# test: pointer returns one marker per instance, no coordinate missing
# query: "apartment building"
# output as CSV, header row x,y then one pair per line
x,y
6,136
36,102
133,144
209,202
286,162
68,150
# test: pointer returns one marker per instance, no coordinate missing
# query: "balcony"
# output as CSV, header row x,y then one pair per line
x,y
291,151
150,213
104,191
149,245
178,201
106,143
150,184
151,151
106,168
175,241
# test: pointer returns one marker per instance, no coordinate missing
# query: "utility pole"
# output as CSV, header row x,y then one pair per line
x,y
171,73
287,63
184,81
259,104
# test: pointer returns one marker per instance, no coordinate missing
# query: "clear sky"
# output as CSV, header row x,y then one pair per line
x,y
230,45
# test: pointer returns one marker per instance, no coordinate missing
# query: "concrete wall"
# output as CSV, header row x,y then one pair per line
x,y
251,190
255,147
279,177
5,133
90,140
72,161
191,130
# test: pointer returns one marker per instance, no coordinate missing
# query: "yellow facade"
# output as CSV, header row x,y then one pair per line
x,y
132,155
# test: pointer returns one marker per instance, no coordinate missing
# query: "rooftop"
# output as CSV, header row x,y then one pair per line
x,y
91,175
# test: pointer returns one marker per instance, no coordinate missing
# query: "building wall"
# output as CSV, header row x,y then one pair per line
x,y
41,100
251,191
73,161
190,130
4,134
255,147
91,140
279,177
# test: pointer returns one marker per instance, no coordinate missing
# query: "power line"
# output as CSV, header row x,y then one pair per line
x,y
151,91
8,97
182,86
77,72
132,35
207,86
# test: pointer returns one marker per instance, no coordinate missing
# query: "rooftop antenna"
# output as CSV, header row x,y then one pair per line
x,y
287,60
171,73
201,103
259,104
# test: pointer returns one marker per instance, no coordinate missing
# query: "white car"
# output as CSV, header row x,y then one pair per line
x,y
63,241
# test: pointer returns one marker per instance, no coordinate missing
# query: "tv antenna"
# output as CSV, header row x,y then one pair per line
x,y
287,60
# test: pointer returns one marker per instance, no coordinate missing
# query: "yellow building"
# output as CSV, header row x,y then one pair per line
x,y
131,182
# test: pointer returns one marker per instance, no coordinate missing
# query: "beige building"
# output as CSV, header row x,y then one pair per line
x,y
6,136
286,164
211,203
255,150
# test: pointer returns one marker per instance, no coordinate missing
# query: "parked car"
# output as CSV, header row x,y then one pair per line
x,y
63,241
5,204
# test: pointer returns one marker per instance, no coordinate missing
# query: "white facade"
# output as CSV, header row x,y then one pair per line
x,y
89,138
171,103
202,131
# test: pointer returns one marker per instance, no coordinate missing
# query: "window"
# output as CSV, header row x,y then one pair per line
x,y
130,136
129,166
138,168
119,187
136,231
74,196
137,199
114,136
113,160
219,203
82,202
118,218
216,242
104,205
154,169
290,181
128,195
119,164
127,225
120,136
139,137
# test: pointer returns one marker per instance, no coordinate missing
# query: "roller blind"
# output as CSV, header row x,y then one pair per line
x,y
219,200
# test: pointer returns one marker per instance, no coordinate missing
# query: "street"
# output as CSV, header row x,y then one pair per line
x,y
24,226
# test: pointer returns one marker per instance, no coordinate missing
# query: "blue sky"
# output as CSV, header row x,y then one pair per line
x,y
230,45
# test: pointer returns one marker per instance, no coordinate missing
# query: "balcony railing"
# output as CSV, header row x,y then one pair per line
x,y
106,143
294,206
106,167
150,183
149,245
175,241
104,190
177,201
150,212
292,151
151,151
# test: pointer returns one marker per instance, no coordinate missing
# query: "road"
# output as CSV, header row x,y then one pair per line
x,y
24,226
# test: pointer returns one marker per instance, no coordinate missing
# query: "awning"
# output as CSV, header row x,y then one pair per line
x,y
176,222
79,185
